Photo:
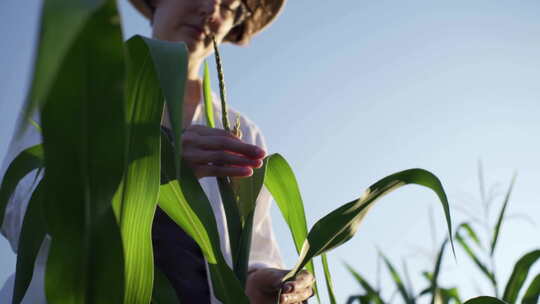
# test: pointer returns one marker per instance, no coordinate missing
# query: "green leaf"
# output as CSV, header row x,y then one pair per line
x,y
485,300
281,183
232,213
61,23
328,278
28,160
170,63
173,202
32,235
501,216
186,204
483,268
519,275
363,299
241,268
83,141
449,294
408,281
340,225
208,103
163,292
136,200
470,231
407,298
247,191
371,292
435,277
533,292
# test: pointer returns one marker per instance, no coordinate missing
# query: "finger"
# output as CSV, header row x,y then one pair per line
x,y
220,158
296,297
229,144
208,131
303,280
220,171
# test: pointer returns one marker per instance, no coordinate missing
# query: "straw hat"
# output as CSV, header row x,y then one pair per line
x,y
260,14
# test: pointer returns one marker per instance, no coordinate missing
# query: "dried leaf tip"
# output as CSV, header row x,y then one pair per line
x,y
237,131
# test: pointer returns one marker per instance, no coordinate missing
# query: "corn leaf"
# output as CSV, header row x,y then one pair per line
x,y
163,292
244,249
436,271
371,292
136,199
485,300
170,63
449,294
407,298
185,202
232,213
362,299
247,191
470,231
61,23
28,160
208,103
32,235
340,225
519,275
282,184
328,279
83,141
501,216
533,292
483,268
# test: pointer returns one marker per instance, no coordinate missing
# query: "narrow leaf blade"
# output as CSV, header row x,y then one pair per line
x,y
398,281
533,292
497,229
208,102
32,235
485,300
281,183
328,278
28,160
83,140
341,224
519,275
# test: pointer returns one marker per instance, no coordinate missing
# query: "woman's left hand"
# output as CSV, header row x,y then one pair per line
x,y
263,285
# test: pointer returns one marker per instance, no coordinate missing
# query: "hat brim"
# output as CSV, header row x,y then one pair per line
x,y
272,8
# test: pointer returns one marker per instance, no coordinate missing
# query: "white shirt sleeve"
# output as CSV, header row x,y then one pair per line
x,y
18,202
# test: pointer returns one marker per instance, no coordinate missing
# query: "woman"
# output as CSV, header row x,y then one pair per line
x,y
207,151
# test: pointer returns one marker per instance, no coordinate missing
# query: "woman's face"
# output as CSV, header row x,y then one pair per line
x,y
194,22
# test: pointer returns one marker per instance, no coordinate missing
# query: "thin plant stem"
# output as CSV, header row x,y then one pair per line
x,y
222,89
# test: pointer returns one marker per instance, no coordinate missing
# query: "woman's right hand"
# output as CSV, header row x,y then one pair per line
x,y
215,152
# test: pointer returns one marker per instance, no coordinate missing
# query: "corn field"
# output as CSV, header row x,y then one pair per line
x,y
107,166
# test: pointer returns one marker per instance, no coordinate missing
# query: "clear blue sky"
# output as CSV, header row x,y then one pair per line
x,y
351,91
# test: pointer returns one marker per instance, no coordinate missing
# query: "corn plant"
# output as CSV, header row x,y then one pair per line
x,y
464,234
485,262
107,167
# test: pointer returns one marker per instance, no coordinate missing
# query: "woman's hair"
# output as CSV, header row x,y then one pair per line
x,y
244,26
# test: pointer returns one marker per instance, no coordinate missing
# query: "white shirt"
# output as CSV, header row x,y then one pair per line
x,y
264,251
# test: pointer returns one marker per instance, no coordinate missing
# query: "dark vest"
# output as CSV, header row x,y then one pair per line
x,y
179,257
